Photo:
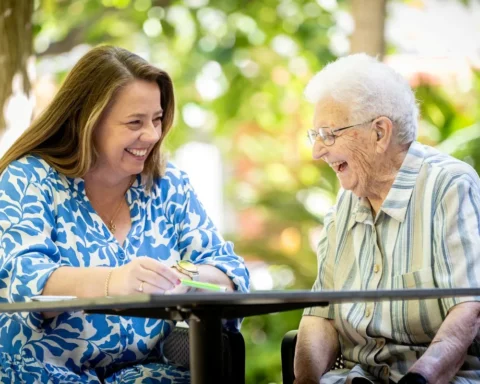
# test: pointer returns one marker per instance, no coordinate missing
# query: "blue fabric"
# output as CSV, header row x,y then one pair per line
x,y
47,221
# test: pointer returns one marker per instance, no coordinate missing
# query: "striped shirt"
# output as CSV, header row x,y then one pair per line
x,y
426,235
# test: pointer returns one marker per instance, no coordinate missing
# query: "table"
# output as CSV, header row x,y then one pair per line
x,y
205,312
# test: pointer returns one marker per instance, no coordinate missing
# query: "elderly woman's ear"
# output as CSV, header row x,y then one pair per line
x,y
383,128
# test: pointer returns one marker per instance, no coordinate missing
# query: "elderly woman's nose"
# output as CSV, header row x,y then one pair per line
x,y
319,150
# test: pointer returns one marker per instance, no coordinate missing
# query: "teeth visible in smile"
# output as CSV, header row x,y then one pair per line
x,y
336,164
137,152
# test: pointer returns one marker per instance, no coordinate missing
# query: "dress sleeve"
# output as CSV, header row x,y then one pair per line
x,y
456,242
200,241
325,260
28,254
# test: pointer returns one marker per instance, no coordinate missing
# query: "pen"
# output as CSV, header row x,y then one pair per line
x,y
201,285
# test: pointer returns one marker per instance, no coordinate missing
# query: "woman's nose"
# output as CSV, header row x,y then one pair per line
x,y
319,150
151,134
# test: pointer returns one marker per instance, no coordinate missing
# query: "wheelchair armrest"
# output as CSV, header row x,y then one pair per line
x,y
288,353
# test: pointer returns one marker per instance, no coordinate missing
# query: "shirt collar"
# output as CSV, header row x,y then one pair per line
x,y
398,198
361,213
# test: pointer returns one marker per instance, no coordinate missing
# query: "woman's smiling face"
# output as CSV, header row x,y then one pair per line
x,y
128,131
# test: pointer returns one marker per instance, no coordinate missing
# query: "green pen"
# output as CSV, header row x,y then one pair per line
x,y
201,285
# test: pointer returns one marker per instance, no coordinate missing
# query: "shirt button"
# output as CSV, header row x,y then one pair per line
x,y
121,255
386,371
367,312
376,268
380,343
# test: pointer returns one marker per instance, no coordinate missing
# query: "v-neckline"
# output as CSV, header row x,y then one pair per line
x,y
78,184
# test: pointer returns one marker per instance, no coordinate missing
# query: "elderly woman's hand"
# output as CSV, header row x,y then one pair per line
x,y
143,275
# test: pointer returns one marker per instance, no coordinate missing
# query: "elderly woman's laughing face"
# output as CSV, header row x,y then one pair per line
x,y
350,152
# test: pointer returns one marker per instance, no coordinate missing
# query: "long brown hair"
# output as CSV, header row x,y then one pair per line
x,y
62,134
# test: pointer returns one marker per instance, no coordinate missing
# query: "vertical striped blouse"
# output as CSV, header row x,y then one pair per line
x,y
426,235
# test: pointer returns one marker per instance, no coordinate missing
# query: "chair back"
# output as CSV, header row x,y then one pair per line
x,y
176,351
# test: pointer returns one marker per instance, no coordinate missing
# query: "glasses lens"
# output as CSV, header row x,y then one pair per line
x,y
329,139
321,134
326,136
312,135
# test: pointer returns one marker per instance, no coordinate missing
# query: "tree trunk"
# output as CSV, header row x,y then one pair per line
x,y
369,33
16,41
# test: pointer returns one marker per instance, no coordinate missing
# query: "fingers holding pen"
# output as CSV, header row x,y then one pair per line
x,y
161,270
142,275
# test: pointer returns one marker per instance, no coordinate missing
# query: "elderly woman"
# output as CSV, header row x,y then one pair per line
x,y
407,217
89,207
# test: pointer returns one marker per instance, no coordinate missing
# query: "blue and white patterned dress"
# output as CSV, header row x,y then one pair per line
x,y
47,221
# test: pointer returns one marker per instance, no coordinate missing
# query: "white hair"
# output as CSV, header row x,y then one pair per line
x,y
370,89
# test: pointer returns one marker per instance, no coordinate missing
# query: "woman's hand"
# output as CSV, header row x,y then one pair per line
x,y
143,275
179,288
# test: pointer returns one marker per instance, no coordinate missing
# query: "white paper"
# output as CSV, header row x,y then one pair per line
x,y
53,298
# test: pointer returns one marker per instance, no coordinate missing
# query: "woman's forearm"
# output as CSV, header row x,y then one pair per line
x,y
77,281
447,352
211,274
91,281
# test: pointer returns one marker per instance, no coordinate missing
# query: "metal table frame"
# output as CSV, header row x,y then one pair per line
x,y
205,312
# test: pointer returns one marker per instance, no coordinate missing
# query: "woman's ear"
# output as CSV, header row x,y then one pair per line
x,y
383,127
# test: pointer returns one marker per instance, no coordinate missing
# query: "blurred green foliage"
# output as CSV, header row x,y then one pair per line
x,y
239,69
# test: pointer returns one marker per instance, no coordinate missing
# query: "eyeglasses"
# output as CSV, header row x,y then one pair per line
x,y
327,135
